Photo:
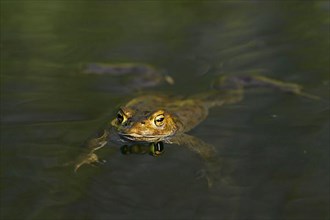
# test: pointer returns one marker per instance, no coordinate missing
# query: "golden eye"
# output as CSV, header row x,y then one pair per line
x,y
120,118
159,120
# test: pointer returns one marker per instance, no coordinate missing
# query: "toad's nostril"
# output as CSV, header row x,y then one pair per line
x,y
142,122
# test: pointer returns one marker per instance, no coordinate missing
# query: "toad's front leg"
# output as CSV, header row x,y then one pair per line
x,y
90,159
205,151
88,156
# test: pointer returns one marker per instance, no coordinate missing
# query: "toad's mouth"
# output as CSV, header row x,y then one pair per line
x,y
142,137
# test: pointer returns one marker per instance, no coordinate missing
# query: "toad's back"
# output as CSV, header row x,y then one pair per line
x,y
187,112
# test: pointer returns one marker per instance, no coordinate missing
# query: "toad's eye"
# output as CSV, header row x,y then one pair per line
x,y
120,117
159,120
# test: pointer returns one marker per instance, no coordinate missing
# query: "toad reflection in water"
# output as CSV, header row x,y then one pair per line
x,y
156,119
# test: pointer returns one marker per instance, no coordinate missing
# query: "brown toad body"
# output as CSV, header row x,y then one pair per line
x,y
156,118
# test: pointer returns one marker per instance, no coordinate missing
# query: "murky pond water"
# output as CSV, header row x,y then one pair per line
x,y
273,147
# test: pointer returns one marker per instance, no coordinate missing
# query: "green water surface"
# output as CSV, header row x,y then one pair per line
x,y
273,147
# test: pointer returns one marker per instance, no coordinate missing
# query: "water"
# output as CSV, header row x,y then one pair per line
x,y
273,147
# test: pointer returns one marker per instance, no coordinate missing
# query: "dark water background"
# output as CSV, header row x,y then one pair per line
x,y
273,147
